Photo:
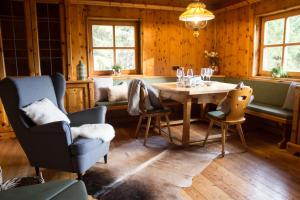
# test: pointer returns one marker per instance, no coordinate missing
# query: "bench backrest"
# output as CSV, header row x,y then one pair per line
x,y
272,93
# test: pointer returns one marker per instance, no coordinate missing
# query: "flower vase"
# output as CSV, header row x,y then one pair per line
x,y
81,71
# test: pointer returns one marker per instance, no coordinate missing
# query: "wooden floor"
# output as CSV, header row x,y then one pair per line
x,y
264,172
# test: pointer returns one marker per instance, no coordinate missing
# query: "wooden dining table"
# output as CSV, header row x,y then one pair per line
x,y
201,94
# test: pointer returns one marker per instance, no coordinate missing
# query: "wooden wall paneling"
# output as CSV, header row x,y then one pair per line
x,y
78,37
148,40
251,48
239,53
68,40
5,128
161,42
63,38
31,60
234,41
165,40
175,39
2,63
273,6
35,38
32,37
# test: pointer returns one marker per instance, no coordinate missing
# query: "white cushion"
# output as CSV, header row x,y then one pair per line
x,y
104,132
101,85
290,96
44,112
118,92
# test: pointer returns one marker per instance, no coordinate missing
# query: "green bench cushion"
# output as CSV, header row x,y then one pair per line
x,y
216,114
107,103
271,110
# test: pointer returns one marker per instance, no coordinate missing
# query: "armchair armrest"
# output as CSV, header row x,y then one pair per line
x,y
91,116
54,131
48,145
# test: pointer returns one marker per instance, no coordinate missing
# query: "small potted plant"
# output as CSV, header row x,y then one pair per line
x,y
213,60
278,72
117,69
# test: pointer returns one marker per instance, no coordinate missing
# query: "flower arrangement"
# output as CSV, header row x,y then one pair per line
x,y
213,57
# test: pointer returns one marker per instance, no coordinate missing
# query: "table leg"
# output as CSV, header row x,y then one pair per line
x,y
203,108
186,121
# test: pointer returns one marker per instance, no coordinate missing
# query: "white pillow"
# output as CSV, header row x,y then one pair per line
x,y
44,112
101,85
118,92
290,96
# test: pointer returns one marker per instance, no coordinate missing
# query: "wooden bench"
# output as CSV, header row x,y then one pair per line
x,y
293,146
269,97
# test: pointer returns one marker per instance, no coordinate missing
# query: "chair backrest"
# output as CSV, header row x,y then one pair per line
x,y
16,93
238,100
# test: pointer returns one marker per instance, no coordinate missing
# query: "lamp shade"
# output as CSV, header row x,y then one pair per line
x,y
196,12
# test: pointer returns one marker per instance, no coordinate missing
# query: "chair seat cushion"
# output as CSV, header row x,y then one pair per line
x,y
216,114
270,109
162,110
107,103
84,145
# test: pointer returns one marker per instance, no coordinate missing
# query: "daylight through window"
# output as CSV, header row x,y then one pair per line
x,y
280,44
114,43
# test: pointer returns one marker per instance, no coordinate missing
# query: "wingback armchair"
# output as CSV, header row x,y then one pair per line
x,y
51,145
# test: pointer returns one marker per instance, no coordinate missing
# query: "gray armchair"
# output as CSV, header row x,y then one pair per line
x,y
51,145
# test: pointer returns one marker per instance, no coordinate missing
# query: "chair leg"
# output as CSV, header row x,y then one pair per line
x,y
240,131
159,124
147,129
105,159
224,133
211,124
79,176
37,171
138,126
168,125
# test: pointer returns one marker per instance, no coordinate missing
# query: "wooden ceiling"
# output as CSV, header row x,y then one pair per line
x,y
211,4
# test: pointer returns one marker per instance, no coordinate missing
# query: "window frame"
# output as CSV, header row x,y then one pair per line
x,y
114,23
264,19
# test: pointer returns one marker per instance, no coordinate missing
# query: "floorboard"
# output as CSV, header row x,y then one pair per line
x,y
264,172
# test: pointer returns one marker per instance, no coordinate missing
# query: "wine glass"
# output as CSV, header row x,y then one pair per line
x,y
179,74
203,73
209,73
190,73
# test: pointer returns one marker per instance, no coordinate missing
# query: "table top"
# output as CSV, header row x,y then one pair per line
x,y
215,87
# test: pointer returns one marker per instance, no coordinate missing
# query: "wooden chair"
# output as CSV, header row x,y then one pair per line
x,y
149,114
238,100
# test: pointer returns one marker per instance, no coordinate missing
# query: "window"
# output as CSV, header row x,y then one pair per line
x,y
114,43
280,43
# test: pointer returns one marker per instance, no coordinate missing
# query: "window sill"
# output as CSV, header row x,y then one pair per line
x,y
275,80
131,76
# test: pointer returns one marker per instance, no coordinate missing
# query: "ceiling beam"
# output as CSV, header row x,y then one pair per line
x,y
128,5
156,7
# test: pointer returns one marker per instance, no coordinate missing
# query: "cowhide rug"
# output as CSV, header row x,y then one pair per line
x,y
136,172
